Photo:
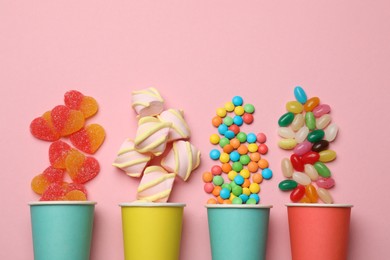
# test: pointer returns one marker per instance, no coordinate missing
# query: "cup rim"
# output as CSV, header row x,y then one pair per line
x,y
241,206
152,204
62,202
318,205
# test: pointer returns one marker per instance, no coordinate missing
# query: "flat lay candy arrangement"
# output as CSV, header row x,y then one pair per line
x,y
307,130
68,121
160,151
242,168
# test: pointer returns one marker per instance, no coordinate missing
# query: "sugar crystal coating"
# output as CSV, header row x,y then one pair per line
x,y
89,138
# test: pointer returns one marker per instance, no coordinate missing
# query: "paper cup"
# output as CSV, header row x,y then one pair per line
x,y
238,231
319,231
152,230
62,230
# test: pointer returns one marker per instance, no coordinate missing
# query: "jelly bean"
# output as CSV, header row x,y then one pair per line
x,y
218,180
305,200
311,193
322,169
234,128
325,196
237,120
247,118
311,104
229,106
256,197
325,183
286,132
327,155
298,193
310,120
214,139
286,119
216,170
221,112
301,178
237,100
320,146
294,107
263,163
242,137
224,193
298,122
249,108
301,135
310,157
287,144
263,148
323,121
287,168
251,138
234,156
261,138
245,159
297,162
237,200
300,94
267,173
315,135
303,148
229,134
214,154
223,141
228,120
216,121
222,129
321,110
288,185
331,132
239,110
207,177
311,172
208,187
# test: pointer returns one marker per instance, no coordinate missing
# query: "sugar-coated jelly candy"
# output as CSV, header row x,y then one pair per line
x,y
298,122
298,193
311,193
300,94
54,175
310,121
43,129
286,119
325,183
58,151
311,172
321,110
294,107
327,155
288,185
286,132
66,121
77,101
75,195
311,103
301,134
55,191
320,146
301,178
315,135
302,148
39,184
287,144
297,162
310,157
287,168
322,169
81,168
325,196
89,138
331,132
323,121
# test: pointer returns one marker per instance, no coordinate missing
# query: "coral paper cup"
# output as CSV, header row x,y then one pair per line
x,y
62,230
319,231
238,231
152,230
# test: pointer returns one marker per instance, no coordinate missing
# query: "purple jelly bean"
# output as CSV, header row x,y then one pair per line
x,y
303,148
321,110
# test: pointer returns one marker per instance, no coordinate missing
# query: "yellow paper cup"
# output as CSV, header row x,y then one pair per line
x,y
152,230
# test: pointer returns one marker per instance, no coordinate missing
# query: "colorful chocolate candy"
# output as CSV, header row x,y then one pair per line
x,y
306,129
237,180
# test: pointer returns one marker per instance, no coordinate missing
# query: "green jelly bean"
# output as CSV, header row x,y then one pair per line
x,y
322,169
288,185
245,159
316,136
310,120
223,141
286,119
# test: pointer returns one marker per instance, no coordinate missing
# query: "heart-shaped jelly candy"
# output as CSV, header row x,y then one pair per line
x,y
43,129
89,138
76,100
58,151
66,121
81,168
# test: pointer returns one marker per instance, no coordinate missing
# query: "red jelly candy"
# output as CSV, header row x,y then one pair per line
x,y
55,191
54,175
77,101
81,168
42,128
58,151
88,139
67,121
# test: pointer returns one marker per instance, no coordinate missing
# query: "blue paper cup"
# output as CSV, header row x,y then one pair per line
x,y
62,230
238,231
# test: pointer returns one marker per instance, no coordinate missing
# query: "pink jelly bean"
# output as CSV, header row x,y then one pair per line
x,y
321,110
325,183
303,148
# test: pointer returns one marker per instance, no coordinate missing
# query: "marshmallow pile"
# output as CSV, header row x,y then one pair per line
x,y
161,133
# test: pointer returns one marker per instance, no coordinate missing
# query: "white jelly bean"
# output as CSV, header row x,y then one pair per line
x,y
301,135
301,178
287,168
331,132
298,122
323,121
325,196
311,172
286,132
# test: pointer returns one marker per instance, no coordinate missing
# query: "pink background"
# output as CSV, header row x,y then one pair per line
x,y
198,54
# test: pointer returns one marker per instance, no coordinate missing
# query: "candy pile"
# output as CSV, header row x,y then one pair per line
x,y
241,157
307,130
68,121
161,135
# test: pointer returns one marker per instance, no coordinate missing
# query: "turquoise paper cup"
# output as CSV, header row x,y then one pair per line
x,y
238,231
62,230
